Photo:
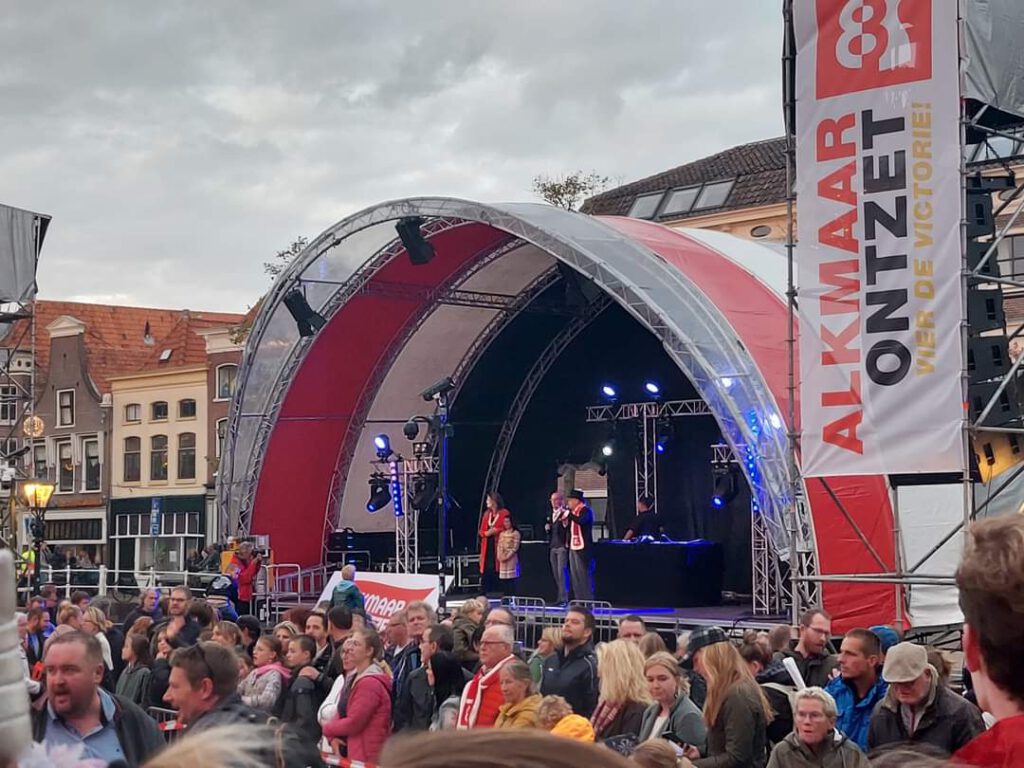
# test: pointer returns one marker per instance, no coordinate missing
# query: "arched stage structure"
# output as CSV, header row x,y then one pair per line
x,y
292,466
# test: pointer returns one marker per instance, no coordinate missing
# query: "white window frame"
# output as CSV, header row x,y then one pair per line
x,y
60,408
137,419
216,382
85,464
8,403
60,463
40,445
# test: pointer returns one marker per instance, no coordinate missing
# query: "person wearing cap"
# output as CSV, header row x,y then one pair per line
x,y
887,636
917,708
581,546
991,582
859,687
814,743
736,712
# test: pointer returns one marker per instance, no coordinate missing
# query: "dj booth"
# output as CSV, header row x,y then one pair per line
x,y
677,574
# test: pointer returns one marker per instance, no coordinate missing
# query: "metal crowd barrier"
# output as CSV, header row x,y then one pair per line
x,y
167,722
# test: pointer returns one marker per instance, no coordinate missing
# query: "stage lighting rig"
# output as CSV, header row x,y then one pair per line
x,y
380,496
437,389
307,320
382,444
610,392
726,488
420,251
608,449
663,436
653,389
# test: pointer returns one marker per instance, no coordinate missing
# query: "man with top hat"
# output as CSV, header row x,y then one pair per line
x,y
918,709
581,546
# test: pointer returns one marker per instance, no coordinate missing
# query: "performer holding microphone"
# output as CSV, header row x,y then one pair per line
x,y
492,523
557,528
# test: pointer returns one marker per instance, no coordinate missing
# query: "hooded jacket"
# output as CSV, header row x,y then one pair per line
x,y
791,752
948,722
367,721
854,715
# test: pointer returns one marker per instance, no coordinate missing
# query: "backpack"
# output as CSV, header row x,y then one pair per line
x,y
347,595
781,698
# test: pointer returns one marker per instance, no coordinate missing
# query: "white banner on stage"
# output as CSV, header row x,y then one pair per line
x,y
879,256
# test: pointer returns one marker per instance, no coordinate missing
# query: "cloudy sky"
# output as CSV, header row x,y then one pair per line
x,y
179,145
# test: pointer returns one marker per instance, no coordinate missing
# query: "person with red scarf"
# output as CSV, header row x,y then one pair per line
x,y
492,523
581,546
482,697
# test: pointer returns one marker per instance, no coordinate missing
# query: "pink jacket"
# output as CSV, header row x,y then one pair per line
x,y
367,722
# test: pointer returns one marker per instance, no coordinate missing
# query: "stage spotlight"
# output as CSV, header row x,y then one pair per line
x,y
380,496
727,382
609,391
608,449
383,445
663,436
775,420
725,489
420,251
308,321
652,388
438,388
424,492
411,430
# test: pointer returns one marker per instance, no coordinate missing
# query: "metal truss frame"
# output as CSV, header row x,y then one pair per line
x,y
24,407
692,330
346,452
645,472
544,362
407,546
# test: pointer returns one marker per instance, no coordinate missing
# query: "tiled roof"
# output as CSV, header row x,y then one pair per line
x,y
186,346
759,169
114,335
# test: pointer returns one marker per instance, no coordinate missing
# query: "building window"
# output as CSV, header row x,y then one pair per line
x,y
133,412
66,408
8,404
158,411
132,459
39,468
91,459
158,457
186,409
680,201
714,195
645,206
222,433
8,446
761,230
65,467
187,456
226,375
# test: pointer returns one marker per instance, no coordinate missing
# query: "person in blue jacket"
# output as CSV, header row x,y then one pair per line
x,y
859,686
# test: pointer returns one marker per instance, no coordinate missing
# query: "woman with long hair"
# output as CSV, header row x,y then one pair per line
x,y
94,622
508,556
736,711
623,697
365,722
550,643
228,634
492,523
673,714
263,687
133,684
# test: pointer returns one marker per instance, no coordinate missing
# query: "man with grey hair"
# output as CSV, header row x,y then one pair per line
x,y
482,696
918,708
814,741
557,528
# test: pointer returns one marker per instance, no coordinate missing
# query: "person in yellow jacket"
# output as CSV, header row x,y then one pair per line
x,y
521,698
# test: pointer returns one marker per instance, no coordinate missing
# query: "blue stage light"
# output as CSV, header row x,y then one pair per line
x,y
659,447
609,391
383,445
652,388
727,382
717,502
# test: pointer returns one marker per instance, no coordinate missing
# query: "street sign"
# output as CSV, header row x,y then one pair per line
x,y
155,509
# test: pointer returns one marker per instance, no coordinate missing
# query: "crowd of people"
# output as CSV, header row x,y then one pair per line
x,y
328,685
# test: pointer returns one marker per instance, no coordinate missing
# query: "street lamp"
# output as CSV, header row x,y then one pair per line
x,y
37,495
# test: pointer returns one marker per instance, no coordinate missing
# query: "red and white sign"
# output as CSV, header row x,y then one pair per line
x,y
879,257
386,593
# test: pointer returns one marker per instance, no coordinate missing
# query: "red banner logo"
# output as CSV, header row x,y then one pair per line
x,y
868,44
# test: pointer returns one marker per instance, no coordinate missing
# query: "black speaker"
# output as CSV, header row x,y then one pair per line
x,y
988,357
420,251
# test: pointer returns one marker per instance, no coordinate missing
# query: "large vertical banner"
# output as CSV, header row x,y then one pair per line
x,y
879,264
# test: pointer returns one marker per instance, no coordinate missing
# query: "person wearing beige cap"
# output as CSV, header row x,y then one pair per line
x,y
918,708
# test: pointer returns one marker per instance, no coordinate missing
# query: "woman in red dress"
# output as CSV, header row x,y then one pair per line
x,y
492,523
